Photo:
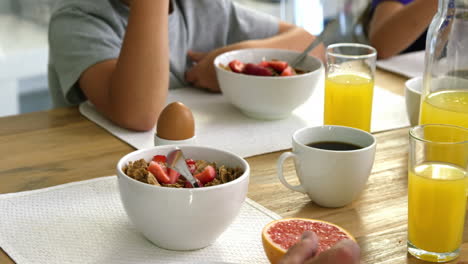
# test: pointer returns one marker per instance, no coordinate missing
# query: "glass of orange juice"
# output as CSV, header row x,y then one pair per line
x,y
349,85
437,191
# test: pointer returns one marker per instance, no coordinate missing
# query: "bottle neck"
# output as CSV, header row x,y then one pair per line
x,y
445,5
446,66
447,10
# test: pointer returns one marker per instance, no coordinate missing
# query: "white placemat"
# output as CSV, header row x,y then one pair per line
x,y
84,222
409,64
221,125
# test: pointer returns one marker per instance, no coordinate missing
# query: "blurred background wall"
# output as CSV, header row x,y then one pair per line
x,y
24,48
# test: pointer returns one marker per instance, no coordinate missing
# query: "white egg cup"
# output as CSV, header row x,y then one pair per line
x,y
162,142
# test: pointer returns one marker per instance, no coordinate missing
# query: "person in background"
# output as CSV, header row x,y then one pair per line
x,y
303,252
398,26
124,55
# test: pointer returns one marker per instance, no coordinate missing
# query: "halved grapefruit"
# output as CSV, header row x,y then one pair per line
x,y
278,236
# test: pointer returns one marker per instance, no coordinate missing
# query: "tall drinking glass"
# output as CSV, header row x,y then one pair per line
x,y
349,85
444,99
437,191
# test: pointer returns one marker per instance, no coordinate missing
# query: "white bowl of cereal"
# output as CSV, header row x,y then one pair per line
x,y
182,218
262,84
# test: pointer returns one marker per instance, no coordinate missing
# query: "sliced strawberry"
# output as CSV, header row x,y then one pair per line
x,y
278,66
192,168
173,175
208,174
264,64
254,69
191,165
289,71
189,161
160,158
237,66
159,172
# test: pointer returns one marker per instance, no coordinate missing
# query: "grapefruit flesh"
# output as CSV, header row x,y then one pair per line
x,y
278,236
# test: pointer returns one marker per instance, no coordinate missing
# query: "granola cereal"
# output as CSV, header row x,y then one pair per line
x,y
156,172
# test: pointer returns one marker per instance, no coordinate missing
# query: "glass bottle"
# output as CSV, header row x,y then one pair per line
x,y
444,99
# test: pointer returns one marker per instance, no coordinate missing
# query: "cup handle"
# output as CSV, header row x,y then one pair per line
x,y
279,168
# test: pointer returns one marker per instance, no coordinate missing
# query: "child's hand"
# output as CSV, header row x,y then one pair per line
x,y
203,74
345,252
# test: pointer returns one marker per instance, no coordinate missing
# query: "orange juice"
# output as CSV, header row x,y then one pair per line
x,y
348,101
436,206
446,107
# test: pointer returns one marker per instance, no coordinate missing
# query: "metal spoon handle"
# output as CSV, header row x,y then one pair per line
x,y
315,43
176,161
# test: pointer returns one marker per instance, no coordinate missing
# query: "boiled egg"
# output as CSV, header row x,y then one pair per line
x,y
176,122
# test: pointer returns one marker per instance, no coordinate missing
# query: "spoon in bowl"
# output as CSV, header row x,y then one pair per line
x,y
298,60
176,161
296,64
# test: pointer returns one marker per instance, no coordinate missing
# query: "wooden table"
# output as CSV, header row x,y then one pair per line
x,y
54,147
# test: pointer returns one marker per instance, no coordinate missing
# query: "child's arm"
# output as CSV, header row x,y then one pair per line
x,y
293,38
290,37
395,26
138,79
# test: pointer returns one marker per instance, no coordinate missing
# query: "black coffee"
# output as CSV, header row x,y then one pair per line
x,y
334,145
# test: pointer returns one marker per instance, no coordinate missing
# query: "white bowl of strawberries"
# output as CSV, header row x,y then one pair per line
x,y
167,210
262,84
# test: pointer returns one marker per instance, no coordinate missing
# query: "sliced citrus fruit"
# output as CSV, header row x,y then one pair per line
x,y
278,236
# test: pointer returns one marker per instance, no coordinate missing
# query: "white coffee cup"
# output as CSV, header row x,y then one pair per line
x,y
413,88
331,178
